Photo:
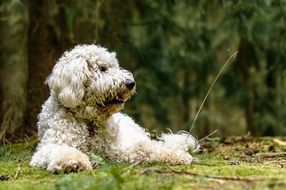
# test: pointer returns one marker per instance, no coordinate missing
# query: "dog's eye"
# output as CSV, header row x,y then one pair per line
x,y
102,68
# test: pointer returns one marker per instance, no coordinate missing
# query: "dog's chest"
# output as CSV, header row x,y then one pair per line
x,y
91,131
99,137
96,137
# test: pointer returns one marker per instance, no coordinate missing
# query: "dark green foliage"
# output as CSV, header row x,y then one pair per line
x,y
260,64
175,49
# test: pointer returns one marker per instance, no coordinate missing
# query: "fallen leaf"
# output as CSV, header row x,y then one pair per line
x,y
282,143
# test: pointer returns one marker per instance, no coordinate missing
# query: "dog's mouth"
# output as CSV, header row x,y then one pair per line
x,y
116,100
120,98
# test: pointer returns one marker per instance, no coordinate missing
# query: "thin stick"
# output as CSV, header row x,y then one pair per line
x,y
202,139
230,178
17,172
133,165
271,155
28,138
226,178
232,56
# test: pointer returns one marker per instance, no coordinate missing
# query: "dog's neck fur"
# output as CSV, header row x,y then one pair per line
x,y
94,117
97,119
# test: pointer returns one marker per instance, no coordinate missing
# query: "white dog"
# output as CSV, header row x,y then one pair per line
x,y
88,90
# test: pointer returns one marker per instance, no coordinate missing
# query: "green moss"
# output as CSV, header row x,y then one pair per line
x,y
15,172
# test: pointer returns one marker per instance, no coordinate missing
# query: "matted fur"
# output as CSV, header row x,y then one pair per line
x,y
82,116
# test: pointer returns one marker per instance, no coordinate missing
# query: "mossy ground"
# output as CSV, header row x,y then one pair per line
x,y
232,163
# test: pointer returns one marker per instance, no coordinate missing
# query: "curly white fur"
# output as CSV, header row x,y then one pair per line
x,y
88,90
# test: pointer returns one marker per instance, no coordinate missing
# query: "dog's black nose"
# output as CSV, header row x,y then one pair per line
x,y
130,84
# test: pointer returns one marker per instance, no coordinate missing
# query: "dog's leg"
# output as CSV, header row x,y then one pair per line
x,y
180,141
157,151
134,144
60,158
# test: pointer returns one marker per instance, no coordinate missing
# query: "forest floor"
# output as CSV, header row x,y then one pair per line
x,y
223,163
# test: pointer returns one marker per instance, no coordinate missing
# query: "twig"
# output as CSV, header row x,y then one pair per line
x,y
232,56
271,155
202,139
134,164
17,172
227,178
150,170
28,138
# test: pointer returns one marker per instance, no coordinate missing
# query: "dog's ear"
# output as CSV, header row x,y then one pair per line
x,y
67,80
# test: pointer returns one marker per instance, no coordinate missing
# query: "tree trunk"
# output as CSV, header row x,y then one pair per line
x,y
269,105
13,67
44,49
246,59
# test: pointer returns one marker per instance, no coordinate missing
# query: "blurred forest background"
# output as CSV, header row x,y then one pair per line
x,y
174,48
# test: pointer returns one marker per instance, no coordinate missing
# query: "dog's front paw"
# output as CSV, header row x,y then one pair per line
x,y
181,157
71,161
186,159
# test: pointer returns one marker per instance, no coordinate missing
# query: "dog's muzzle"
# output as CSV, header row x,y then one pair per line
x,y
123,94
130,84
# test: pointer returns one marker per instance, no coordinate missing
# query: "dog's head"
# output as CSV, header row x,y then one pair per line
x,y
89,77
